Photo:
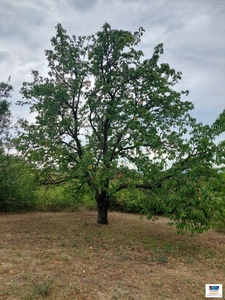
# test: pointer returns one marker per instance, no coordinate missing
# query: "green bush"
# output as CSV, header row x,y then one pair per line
x,y
219,225
219,219
63,198
137,201
130,201
52,198
16,184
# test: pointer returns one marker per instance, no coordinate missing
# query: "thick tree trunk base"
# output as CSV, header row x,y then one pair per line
x,y
103,205
102,214
102,220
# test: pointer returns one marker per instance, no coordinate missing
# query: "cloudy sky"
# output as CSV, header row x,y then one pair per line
x,y
192,31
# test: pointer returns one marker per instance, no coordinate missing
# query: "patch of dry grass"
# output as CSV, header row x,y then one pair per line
x,y
70,256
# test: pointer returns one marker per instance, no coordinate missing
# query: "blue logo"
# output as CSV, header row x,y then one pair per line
x,y
214,288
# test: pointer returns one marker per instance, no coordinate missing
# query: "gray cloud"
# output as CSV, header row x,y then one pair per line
x,y
83,5
192,32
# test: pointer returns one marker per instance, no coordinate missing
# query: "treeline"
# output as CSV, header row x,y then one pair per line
x,y
23,189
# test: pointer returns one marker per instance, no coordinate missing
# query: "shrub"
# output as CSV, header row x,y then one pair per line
x,y
16,184
63,197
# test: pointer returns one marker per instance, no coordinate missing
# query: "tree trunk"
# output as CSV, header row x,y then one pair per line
x,y
103,206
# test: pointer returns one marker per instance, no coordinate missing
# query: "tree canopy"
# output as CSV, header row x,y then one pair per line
x,y
15,175
5,113
109,118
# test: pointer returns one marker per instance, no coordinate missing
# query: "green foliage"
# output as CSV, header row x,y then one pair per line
x,y
219,222
193,197
219,218
111,120
16,184
62,198
5,114
131,201
52,198
16,178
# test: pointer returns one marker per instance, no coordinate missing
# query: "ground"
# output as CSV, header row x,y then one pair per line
x,y
70,256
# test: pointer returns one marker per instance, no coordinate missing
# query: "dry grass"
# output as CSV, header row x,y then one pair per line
x,y
70,256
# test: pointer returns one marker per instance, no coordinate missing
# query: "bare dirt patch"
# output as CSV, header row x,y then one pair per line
x,y
70,256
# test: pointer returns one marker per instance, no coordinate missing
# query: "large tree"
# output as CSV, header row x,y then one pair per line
x,y
110,119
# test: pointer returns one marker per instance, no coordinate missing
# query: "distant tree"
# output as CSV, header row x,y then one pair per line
x,y
104,106
5,113
16,182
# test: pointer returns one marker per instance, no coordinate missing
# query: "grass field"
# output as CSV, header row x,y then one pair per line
x,y
70,256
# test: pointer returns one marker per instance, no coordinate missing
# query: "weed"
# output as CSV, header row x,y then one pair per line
x,y
149,244
160,258
223,269
155,284
119,285
86,223
65,258
190,260
164,295
42,289
89,239
74,244
79,253
124,257
208,253
145,258
167,247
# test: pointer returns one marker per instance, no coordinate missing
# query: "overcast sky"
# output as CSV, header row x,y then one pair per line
x,y
193,34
